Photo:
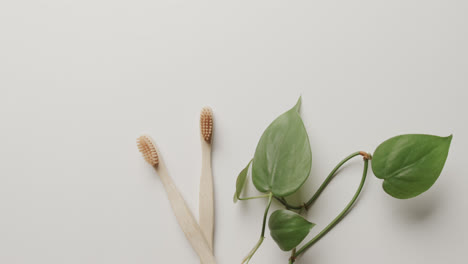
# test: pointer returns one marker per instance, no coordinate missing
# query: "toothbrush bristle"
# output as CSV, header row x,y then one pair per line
x,y
206,124
148,149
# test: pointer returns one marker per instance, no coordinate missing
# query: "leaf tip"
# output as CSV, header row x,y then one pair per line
x,y
450,137
297,107
311,225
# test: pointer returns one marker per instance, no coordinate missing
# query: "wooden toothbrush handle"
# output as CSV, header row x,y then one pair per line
x,y
206,200
185,218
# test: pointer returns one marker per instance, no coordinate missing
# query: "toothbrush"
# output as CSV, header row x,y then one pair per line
x,y
206,201
185,218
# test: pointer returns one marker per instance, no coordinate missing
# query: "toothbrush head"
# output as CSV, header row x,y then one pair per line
x,y
148,149
206,124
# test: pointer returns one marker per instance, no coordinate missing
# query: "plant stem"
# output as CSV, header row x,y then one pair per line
x,y
329,178
292,258
254,197
287,205
253,250
340,216
262,235
322,187
266,214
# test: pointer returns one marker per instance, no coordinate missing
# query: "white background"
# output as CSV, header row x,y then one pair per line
x,y
81,80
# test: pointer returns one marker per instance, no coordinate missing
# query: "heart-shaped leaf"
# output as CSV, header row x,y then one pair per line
x,y
410,164
288,229
240,182
283,158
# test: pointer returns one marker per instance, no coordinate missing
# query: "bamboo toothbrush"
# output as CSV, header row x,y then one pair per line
x,y
206,201
182,212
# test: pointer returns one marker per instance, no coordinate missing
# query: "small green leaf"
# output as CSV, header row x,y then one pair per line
x,y
283,157
288,229
240,182
410,164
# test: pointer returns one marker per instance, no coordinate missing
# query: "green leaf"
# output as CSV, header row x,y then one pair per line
x,y
410,164
240,182
283,158
288,229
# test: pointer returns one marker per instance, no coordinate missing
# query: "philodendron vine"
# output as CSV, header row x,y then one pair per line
x,y
408,165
